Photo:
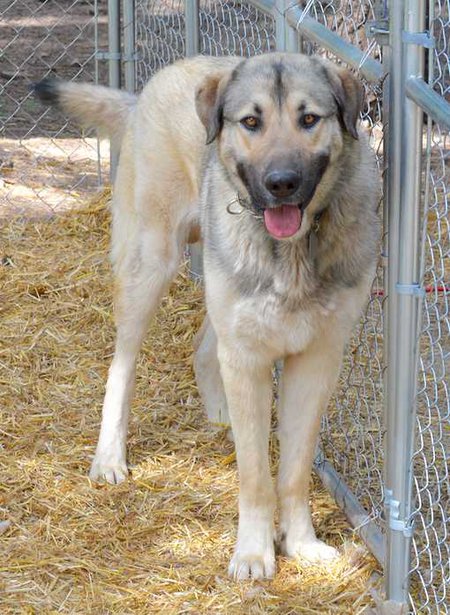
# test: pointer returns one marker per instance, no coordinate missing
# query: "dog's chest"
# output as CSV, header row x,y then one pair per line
x,y
277,306
264,322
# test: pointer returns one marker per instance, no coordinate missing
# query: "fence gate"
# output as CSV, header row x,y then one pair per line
x,y
385,442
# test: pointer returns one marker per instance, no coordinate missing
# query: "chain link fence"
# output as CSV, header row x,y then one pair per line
x,y
160,36
352,434
226,28
46,164
235,28
430,565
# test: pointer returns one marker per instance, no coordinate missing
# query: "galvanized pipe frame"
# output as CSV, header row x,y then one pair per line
x,y
287,38
192,25
129,45
192,48
430,101
289,13
114,63
114,55
407,20
96,47
347,501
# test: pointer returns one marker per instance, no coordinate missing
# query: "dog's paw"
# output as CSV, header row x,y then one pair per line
x,y
252,566
254,555
311,550
105,469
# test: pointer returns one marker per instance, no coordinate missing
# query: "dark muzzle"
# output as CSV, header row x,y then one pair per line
x,y
282,184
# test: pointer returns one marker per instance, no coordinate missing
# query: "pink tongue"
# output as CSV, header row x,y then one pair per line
x,y
283,221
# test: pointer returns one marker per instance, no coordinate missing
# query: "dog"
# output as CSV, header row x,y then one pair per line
x,y
265,159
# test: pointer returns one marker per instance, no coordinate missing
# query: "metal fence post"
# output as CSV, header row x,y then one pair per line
x,y
192,21
192,48
96,81
129,49
405,147
287,37
114,62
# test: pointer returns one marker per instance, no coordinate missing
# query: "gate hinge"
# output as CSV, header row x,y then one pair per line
x,y
424,39
379,30
414,290
395,523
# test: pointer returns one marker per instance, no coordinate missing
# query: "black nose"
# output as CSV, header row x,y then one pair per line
x,y
282,183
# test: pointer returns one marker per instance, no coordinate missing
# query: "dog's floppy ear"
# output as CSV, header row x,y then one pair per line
x,y
209,101
348,92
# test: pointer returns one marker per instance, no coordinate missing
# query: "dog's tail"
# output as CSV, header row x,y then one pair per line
x,y
92,106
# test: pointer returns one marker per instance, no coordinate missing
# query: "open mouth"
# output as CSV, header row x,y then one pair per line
x,y
283,221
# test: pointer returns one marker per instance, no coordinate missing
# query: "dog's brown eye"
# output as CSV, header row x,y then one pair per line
x,y
251,122
309,119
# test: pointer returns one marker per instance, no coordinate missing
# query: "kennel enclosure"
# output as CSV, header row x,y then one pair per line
x,y
385,441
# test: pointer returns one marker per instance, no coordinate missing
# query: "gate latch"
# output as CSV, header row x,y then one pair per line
x,y
379,30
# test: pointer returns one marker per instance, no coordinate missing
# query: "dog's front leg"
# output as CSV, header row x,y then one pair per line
x,y
307,383
248,388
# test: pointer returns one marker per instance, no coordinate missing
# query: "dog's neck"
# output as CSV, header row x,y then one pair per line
x,y
313,238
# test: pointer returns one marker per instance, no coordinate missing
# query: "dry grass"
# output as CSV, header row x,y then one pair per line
x,y
159,543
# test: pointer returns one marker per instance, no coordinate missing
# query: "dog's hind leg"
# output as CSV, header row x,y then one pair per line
x,y
148,263
307,382
207,373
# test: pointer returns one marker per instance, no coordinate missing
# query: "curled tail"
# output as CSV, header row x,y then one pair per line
x,y
92,106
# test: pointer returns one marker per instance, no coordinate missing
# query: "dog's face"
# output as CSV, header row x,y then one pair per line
x,y
281,121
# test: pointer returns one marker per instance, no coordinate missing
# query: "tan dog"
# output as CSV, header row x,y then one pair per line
x,y
286,192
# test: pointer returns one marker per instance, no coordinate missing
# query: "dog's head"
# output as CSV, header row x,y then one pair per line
x,y
281,122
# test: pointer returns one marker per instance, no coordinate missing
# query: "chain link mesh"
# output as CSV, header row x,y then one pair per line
x,y
160,36
226,28
430,566
235,28
44,164
352,434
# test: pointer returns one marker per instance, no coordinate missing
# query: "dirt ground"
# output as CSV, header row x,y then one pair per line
x,y
45,165
42,176
38,39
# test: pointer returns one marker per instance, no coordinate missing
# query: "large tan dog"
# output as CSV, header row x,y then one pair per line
x,y
265,154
